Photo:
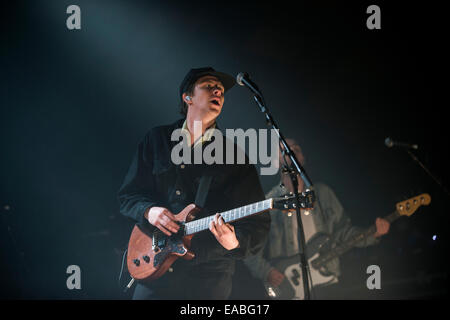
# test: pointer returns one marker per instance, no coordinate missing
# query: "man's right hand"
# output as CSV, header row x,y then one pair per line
x,y
275,277
163,219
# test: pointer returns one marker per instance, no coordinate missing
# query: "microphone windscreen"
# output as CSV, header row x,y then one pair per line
x,y
239,78
388,142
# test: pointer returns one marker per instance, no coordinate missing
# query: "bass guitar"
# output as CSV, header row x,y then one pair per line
x,y
320,250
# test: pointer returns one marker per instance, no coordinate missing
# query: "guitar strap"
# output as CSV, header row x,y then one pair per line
x,y
202,191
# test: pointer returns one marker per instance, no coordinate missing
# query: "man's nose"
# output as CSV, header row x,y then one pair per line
x,y
217,91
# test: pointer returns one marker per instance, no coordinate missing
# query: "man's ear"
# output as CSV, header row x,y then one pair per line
x,y
187,98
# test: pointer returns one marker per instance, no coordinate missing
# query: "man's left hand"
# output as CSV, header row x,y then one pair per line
x,y
224,233
382,227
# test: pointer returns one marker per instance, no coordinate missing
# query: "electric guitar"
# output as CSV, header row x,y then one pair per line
x,y
150,256
320,250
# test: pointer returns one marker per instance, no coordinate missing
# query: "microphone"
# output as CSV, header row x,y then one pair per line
x,y
243,79
391,143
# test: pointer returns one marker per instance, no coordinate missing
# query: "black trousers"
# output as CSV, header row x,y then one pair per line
x,y
204,286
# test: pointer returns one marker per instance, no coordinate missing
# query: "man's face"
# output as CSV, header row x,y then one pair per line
x,y
297,152
208,97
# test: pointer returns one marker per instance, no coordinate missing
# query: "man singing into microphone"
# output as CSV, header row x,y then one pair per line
x,y
155,189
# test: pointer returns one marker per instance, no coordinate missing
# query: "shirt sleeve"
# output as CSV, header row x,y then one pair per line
x,y
138,192
342,228
259,267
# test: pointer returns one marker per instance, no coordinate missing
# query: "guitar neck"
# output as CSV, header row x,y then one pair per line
x,y
229,216
341,249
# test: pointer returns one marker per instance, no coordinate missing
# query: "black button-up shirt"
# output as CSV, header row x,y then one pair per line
x,y
154,180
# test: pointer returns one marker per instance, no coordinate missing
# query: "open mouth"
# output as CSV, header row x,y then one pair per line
x,y
216,102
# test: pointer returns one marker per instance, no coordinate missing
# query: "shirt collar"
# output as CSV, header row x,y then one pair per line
x,y
204,138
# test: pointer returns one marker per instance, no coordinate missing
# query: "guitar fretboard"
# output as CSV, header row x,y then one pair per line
x,y
229,216
339,250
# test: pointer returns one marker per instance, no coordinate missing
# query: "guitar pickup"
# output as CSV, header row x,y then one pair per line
x,y
295,277
155,244
156,249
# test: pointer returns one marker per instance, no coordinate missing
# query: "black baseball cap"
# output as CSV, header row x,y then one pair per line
x,y
194,74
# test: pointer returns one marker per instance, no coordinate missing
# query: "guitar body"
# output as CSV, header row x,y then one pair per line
x,y
292,286
149,257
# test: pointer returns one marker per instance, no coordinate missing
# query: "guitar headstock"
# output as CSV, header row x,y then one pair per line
x,y
409,206
288,202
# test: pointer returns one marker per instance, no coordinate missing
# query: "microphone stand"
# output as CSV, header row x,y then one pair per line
x,y
428,171
295,169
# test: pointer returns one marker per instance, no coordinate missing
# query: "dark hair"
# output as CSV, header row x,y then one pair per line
x,y
183,105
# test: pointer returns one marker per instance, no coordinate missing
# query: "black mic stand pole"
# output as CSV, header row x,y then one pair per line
x,y
428,171
295,169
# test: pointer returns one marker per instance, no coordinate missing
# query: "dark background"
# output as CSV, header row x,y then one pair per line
x,y
74,105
